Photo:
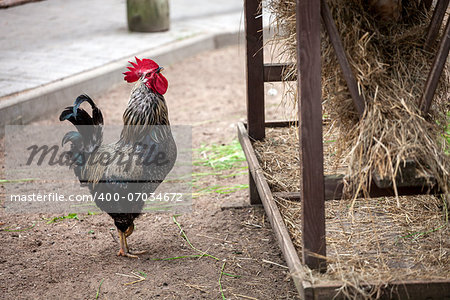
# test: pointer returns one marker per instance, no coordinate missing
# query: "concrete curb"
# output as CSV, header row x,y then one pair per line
x,y
40,102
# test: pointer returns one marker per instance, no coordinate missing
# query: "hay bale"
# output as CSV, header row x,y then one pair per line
x,y
391,67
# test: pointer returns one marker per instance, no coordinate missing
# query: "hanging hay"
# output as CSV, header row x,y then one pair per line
x,y
391,67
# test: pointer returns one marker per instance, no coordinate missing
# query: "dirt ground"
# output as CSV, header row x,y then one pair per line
x,y
77,258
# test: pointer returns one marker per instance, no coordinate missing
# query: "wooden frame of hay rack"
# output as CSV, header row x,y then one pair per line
x,y
316,188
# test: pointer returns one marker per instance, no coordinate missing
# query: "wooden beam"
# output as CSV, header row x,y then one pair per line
x,y
334,185
342,58
271,209
254,66
411,289
274,72
436,70
277,124
436,23
310,130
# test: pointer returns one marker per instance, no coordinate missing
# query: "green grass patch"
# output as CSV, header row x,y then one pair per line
x,y
200,255
416,235
18,230
220,281
143,274
447,131
3,181
221,157
183,234
69,216
221,189
98,290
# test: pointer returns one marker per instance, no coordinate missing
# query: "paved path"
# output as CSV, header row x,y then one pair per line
x,y
43,42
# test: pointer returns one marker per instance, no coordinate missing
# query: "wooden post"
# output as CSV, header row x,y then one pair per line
x,y
342,58
436,70
148,15
436,22
255,72
311,147
255,199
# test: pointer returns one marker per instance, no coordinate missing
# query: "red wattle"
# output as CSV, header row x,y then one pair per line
x,y
159,83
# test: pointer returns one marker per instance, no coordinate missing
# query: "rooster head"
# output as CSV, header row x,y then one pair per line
x,y
150,74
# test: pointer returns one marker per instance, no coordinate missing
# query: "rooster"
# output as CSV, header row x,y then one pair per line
x,y
146,135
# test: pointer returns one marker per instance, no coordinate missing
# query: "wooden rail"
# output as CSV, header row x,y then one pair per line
x,y
270,207
436,22
335,39
274,72
254,65
436,70
310,121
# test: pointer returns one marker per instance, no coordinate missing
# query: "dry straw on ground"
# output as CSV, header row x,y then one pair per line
x,y
382,243
379,243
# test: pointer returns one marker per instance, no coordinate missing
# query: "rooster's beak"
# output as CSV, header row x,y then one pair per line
x,y
159,70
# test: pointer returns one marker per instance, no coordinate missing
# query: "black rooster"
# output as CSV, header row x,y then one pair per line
x,y
138,162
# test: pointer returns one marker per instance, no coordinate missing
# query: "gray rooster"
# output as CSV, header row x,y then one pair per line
x,y
138,162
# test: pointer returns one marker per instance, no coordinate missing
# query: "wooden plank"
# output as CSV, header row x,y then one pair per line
x,y
406,177
436,23
254,66
311,147
334,186
278,124
436,70
397,290
288,123
342,58
274,72
271,209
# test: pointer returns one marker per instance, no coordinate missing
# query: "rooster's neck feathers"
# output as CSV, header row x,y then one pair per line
x,y
145,110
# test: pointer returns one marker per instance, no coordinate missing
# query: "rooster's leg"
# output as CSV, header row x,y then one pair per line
x,y
124,246
127,233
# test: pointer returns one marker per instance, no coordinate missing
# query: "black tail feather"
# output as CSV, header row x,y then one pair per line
x,y
89,136
78,116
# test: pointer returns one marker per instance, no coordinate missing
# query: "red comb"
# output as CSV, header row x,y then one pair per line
x,y
139,68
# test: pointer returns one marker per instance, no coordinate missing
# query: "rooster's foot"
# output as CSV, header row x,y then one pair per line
x,y
127,254
137,252
131,254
